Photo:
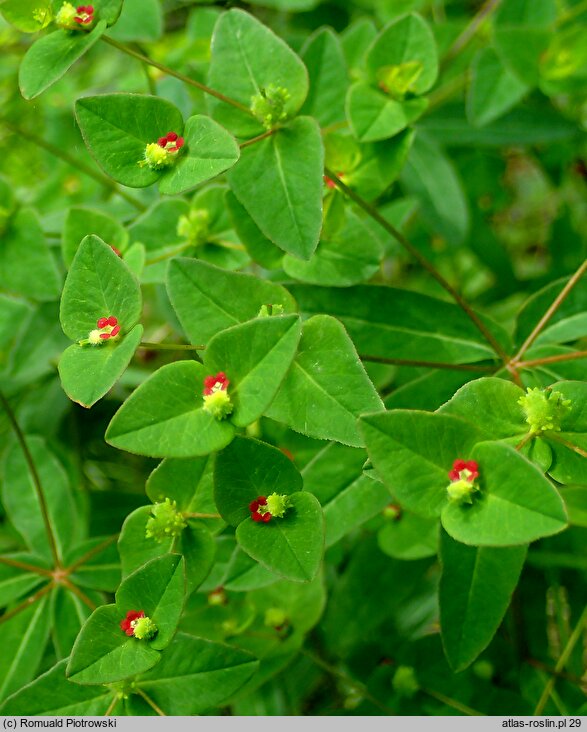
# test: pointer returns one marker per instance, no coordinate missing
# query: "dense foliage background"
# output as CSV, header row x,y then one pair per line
x,y
375,227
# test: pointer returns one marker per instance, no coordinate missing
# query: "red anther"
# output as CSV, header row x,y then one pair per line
x,y
105,336
212,381
102,322
172,136
253,506
256,516
459,465
115,331
179,142
162,141
262,501
329,182
453,475
112,320
266,517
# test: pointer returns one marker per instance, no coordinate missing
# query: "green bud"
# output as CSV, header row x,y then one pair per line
x,y
275,617
195,226
398,81
276,505
405,682
544,409
166,522
268,106
145,629
218,404
461,491
268,310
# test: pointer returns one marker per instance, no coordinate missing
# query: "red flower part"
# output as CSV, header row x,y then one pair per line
x,y
215,383
329,182
162,141
172,136
85,14
287,453
115,331
256,515
112,321
127,623
116,250
459,465
102,322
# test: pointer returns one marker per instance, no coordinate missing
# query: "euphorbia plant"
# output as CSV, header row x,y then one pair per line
x,y
301,428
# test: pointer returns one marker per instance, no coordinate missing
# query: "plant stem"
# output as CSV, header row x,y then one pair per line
x,y
110,709
556,303
78,593
560,664
170,346
27,603
552,359
427,364
28,567
253,140
92,553
202,515
411,249
182,77
566,443
35,478
470,31
104,180
453,703
525,440
150,702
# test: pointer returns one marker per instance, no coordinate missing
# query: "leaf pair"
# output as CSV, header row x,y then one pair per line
x,y
290,546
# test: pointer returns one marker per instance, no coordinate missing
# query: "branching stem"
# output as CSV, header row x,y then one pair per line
x,y
411,249
428,364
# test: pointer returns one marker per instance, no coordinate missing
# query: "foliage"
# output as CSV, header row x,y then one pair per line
x,y
292,342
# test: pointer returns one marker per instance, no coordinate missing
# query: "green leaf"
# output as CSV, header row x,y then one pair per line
x,y
575,498
196,674
430,176
494,90
81,221
516,503
279,182
255,356
208,151
490,404
195,544
26,265
51,56
322,54
476,587
101,570
346,257
326,388
117,127
413,453
392,323
208,299
19,13
292,546
403,41
246,58
567,323
522,32
53,694
140,20
68,614
103,653
409,536
21,501
164,416
348,498
247,469
98,285
23,644
89,372
15,582
259,247
373,116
